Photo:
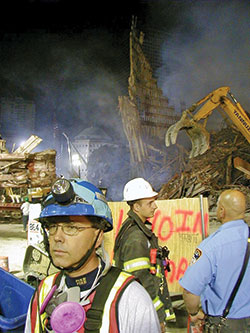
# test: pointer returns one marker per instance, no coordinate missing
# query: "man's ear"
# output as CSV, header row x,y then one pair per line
x,y
100,238
222,212
136,206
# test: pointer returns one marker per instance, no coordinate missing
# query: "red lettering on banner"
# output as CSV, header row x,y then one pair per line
x,y
176,273
183,265
185,213
171,228
197,227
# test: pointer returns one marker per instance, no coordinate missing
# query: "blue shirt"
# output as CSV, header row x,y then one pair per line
x,y
215,268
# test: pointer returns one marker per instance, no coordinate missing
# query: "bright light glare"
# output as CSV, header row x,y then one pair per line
x,y
76,159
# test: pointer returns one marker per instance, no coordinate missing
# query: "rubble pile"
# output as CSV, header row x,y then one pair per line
x,y
27,170
22,168
214,171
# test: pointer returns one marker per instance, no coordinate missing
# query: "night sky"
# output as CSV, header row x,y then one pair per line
x,y
74,62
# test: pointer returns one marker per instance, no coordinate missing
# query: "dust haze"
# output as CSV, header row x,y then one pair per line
x,y
209,48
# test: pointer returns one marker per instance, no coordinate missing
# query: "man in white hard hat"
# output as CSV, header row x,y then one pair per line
x,y
136,247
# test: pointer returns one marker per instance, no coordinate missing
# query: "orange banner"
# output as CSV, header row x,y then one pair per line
x,y
178,225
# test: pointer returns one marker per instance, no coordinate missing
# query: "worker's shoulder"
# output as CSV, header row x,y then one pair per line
x,y
233,230
136,310
135,290
131,229
129,223
128,234
128,226
226,237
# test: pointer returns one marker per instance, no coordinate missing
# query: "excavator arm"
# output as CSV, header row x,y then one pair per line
x,y
196,130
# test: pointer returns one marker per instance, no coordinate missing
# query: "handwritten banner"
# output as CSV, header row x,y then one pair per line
x,y
178,225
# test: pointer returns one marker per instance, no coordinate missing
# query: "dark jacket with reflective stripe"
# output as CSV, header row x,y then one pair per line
x,y
132,253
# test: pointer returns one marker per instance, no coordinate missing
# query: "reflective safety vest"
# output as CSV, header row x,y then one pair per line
x,y
101,313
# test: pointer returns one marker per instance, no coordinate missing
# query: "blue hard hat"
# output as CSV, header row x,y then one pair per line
x,y
76,197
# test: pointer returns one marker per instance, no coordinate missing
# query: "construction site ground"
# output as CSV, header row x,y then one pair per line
x,y
13,243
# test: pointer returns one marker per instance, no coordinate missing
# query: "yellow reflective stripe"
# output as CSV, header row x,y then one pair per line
x,y
157,303
158,271
137,264
46,287
169,316
106,312
172,316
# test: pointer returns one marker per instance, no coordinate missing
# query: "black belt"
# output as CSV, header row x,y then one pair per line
x,y
233,324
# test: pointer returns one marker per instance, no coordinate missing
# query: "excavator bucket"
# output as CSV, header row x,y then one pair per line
x,y
197,133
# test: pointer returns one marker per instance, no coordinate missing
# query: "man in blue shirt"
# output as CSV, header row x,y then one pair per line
x,y
215,268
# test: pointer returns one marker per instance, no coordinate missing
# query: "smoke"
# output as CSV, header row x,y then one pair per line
x,y
72,79
75,78
208,48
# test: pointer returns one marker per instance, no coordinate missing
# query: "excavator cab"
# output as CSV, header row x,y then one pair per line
x,y
196,130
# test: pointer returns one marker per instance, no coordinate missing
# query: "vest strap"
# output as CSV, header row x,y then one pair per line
x,y
94,315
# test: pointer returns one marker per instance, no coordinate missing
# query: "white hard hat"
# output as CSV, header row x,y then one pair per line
x,y
138,188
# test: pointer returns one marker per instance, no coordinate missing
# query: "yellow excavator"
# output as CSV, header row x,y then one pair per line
x,y
200,137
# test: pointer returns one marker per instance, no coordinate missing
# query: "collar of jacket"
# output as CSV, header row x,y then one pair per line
x,y
140,224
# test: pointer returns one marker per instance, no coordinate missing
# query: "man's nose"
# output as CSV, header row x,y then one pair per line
x,y
155,205
59,234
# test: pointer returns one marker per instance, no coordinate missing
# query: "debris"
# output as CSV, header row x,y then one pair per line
x,y
145,112
221,97
214,171
27,170
23,173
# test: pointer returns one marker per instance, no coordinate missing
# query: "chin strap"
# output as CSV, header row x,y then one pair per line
x,y
81,262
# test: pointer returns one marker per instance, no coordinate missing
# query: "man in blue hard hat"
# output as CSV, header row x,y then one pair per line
x,y
86,294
